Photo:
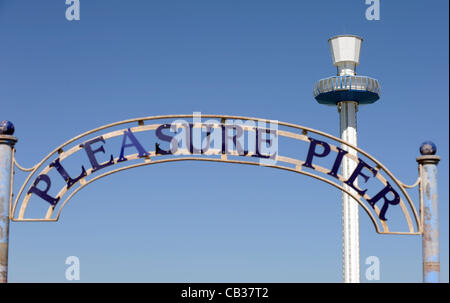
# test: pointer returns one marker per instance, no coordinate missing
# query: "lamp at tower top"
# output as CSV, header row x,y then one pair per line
x,y
346,86
345,51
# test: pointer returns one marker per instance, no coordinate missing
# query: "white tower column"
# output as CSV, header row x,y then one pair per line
x,y
350,216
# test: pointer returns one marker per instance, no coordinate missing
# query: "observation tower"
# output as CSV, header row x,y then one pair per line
x,y
347,91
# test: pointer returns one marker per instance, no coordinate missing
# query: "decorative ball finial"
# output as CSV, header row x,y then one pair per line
x,y
427,148
6,128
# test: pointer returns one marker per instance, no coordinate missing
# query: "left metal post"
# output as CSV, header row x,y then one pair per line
x,y
7,142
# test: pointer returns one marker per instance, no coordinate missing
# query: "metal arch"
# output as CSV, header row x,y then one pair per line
x,y
141,128
82,181
356,197
304,130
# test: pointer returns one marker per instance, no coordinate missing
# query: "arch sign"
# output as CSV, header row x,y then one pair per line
x,y
212,138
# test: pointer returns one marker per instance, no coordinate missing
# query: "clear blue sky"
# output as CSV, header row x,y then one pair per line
x,y
200,222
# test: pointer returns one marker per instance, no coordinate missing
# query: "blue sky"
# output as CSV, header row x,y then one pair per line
x,y
200,222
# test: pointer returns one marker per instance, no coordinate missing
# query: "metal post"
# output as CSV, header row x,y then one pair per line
x,y
7,142
350,216
429,212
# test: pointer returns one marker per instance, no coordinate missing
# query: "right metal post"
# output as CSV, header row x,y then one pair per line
x,y
429,212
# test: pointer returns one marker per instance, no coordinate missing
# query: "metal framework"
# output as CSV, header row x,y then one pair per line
x,y
19,206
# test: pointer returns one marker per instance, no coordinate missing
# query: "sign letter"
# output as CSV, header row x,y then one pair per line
x,y
312,151
65,175
134,142
165,138
43,193
382,194
91,154
358,172
337,162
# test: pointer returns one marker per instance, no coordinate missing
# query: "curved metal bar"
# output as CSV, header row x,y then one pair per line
x,y
223,117
22,168
374,221
11,181
355,197
422,212
413,185
296,162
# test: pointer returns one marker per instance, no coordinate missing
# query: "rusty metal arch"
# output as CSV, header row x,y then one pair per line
x,y
149,161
